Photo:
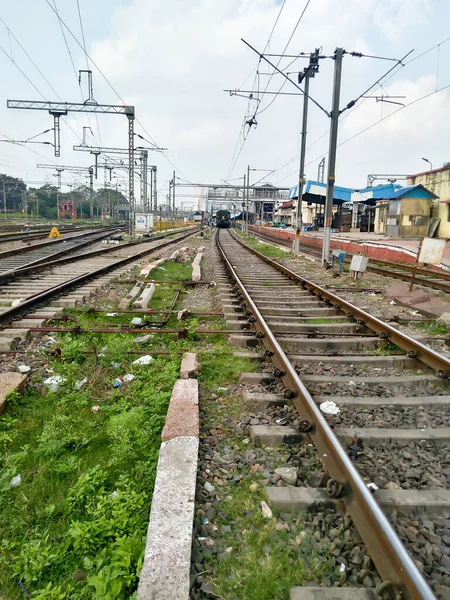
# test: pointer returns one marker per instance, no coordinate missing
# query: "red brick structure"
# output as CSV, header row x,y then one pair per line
x,y
67,210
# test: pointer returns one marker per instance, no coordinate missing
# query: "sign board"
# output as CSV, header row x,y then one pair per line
x,y
431,251
54,233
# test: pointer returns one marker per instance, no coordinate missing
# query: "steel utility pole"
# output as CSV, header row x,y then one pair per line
x,y
56,109
4,198
248,198
309,72
244,190
328,215
154,190
173,193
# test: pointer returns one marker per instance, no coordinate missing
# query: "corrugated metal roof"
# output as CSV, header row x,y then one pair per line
x,y
380,191
319,189
409,188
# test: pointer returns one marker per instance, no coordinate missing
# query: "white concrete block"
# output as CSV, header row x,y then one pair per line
x,y
167,560
146,296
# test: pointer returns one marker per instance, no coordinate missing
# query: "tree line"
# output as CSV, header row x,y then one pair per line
x,y
42,201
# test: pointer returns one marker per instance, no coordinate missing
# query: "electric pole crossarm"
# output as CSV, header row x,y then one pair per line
x,y
115,109
105,150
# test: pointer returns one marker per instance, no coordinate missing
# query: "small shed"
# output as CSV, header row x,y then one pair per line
x,y
405,212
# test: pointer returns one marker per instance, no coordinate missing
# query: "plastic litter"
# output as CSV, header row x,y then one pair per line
x,y
342,568
95,408
136,321
392,302
143,339
79,384
280,421
15,481
222,389
23,368
114,494
115,365
181,314
330,408
372,486
53,383
112,314
117,383
129,377
143,360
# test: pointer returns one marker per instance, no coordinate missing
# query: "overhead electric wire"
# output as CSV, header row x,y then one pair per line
x,y
108,82
242,128
424,97
359,106
260,98
87,64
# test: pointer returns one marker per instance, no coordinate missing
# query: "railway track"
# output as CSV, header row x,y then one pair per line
x,y
438,280
390,393
13,260
24,294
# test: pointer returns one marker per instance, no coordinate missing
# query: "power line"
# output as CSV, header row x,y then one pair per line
x,y
424,97
360,104
256,78
107,81
87,65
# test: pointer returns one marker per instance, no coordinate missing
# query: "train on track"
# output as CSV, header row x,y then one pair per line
x,y
223,218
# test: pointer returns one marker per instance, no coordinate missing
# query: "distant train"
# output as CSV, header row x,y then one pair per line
x,y
223,218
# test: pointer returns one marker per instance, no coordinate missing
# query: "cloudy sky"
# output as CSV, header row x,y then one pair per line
x,y
172,59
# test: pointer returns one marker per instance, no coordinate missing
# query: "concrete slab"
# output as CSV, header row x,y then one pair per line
x,y
8,343
300,499
145,296
250,356
263,400
391,402
417,299
372,436
275,435
10,382
256,378
243,341
332,593
167,560
25,323
189,366
22,334
182,417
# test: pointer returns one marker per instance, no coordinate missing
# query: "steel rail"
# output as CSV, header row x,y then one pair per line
x,y
393,562
33,268
413,348
22,309
426,277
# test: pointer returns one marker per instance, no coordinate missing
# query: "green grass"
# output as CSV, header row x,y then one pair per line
x,y
431,328
266,249
255,561
75,528
385,349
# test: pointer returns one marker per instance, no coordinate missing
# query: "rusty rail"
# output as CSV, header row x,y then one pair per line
x,y
396,567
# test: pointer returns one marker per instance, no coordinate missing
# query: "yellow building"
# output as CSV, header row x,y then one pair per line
x,y
437,181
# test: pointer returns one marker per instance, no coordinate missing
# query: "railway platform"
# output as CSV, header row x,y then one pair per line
x,y
375,246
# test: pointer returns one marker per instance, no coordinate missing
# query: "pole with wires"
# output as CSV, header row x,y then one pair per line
x,y
328,215
247,199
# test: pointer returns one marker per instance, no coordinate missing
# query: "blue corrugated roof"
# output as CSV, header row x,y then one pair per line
x,y
380,191
311,187
405,190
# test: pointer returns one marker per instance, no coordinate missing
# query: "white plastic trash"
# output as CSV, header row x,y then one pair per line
x,y
113,314
23,368
53,383
115,365
329,408
143,360
129,377
79,384
15,481
136,321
